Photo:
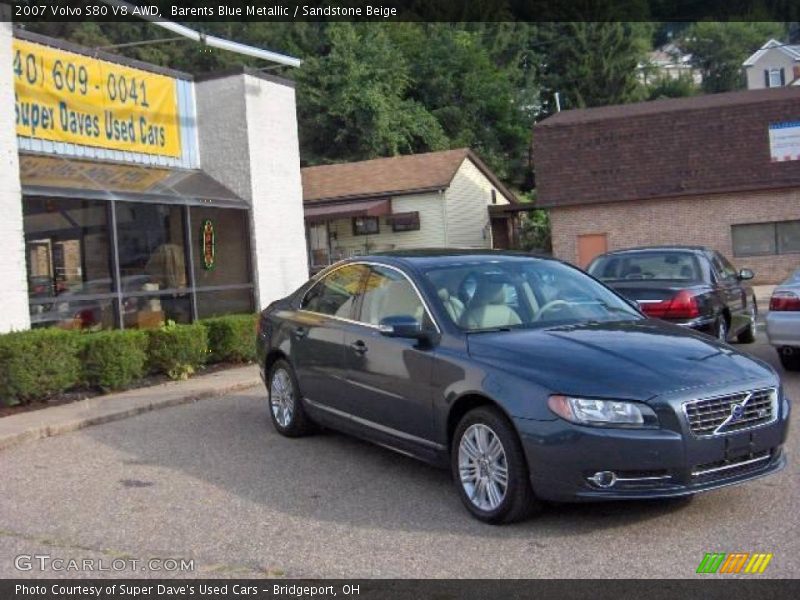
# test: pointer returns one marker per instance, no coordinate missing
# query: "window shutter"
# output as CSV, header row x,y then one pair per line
x,y
766,77
783,76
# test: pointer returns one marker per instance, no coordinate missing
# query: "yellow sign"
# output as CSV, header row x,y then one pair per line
x,y
66,97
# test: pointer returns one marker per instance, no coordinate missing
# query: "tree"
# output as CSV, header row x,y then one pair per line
x,y
719,49
592,63
479,100
353,102
672,87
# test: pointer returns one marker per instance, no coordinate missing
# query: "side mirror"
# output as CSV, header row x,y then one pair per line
x,y
746,274
402,326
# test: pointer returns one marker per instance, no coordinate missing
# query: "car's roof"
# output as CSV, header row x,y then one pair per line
x,y
434,257
639,249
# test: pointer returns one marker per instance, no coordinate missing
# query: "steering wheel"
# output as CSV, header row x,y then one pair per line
x,y
550,306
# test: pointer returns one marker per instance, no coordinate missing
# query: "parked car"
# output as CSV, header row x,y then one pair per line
x,y
783,321
538,383
691,286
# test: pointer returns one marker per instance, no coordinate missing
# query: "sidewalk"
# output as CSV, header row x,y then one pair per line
x,y
763,293
60,419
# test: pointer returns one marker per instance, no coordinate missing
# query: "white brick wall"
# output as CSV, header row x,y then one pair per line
x,y
13,281
248,141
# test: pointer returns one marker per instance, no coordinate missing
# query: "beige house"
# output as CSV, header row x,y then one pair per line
x,y
433,200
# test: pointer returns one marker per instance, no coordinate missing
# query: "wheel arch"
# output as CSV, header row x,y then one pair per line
x,y
465,403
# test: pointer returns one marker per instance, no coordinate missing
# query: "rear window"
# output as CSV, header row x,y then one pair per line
x,y
673,266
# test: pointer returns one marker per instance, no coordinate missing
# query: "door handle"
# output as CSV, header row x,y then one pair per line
x,y
359,347
300,332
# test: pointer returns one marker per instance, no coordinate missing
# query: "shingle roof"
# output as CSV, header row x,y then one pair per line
x,y
717,143
414,173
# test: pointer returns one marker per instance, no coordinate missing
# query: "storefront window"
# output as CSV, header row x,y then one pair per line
x,y
148,312
68,258
224,302
72,269
230,263
151,247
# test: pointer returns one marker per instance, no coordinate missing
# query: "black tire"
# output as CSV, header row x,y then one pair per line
x,y
518,501
748,336
790,362
298,423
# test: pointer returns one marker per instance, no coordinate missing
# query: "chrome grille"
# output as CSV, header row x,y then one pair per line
x,y
715,416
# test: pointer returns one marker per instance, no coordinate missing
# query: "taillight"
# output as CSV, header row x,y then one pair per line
x,y
682,305
784,301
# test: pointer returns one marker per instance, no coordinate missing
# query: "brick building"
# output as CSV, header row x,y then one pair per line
x,y
719,170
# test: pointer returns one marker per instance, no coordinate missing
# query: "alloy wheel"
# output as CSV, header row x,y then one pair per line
x,y
281,397
483,467
722,330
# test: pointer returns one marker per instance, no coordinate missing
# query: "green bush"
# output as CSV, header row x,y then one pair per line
x,y
231,338
37,364
114,359
177,350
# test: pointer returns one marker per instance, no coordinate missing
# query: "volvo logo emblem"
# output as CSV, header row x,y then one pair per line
x,y
737,411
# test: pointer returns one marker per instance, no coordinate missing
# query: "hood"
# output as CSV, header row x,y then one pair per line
x,y
634,360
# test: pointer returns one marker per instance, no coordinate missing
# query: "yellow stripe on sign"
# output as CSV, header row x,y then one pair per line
x,y
68,97
758,563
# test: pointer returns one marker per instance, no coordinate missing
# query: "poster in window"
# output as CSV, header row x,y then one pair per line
x,y
784,141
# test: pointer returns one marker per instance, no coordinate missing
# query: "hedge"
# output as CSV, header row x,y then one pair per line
x,y
114,359
40,363
231,338
37,364
177,350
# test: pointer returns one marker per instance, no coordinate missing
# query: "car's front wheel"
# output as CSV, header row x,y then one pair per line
x,y
285,405
489,468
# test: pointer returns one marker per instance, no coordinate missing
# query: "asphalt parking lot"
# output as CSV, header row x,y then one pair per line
x,y
213,483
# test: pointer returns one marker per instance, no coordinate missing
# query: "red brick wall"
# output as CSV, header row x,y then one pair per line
x,y
696,220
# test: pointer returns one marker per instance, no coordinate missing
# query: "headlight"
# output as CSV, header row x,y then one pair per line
x,y
608,413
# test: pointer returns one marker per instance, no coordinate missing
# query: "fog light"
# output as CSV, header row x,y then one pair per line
x,y
604,479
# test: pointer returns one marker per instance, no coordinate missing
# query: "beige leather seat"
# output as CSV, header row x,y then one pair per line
x,y
454,307
488,307
396,299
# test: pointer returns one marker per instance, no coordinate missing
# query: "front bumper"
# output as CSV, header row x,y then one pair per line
x,y
648,463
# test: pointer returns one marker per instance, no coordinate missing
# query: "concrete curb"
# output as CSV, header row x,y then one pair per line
x,y
49,422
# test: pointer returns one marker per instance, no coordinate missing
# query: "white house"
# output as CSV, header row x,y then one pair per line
x,y
775,64
668,62
432,200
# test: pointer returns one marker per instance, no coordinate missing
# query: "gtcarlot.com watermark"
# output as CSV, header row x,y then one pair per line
x,y
48,562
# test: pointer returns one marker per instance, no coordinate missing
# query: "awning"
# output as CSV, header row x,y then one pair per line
x,y
363,208
58,176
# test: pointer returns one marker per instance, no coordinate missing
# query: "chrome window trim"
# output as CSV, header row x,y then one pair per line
x,y
715,433
367,264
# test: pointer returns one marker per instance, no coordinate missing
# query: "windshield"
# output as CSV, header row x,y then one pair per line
x,y
672,266
523,293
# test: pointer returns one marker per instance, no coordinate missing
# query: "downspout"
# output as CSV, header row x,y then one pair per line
x,y
443,196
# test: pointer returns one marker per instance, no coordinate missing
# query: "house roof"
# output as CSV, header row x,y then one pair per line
x,y
398,175
792,51
666,148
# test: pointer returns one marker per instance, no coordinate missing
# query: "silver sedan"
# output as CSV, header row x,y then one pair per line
x,y
783,321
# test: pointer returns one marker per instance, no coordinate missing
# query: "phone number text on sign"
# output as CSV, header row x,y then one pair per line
x,y
66,97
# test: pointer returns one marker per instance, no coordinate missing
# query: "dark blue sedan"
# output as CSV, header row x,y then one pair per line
x,y
530,379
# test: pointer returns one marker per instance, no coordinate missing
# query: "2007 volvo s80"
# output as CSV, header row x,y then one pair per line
x,y
531,379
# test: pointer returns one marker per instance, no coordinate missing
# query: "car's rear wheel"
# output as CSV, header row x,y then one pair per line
x,y
285,405
790,358
489,468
